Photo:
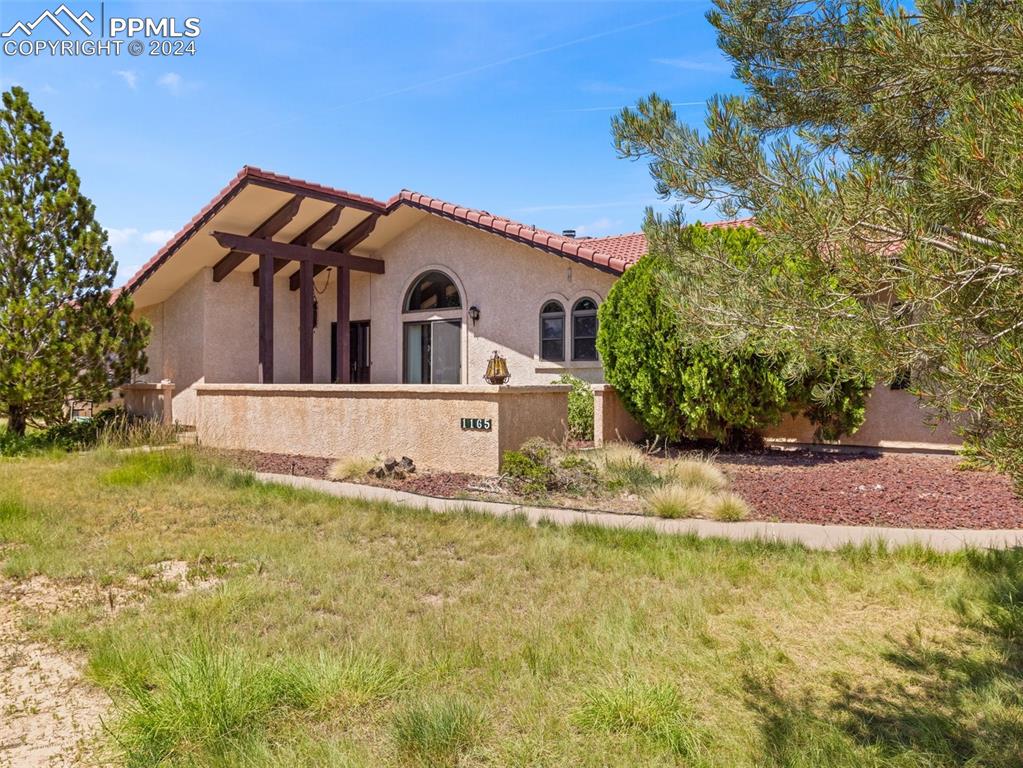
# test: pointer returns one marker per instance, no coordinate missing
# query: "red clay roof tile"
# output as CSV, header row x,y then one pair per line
x,y
614,254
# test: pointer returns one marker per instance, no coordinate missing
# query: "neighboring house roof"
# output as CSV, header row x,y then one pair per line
x,y
611,254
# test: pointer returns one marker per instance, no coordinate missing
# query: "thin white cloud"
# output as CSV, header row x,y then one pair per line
x,y
157,236
601,226
172,81
697,65
130,77
585,206
122,236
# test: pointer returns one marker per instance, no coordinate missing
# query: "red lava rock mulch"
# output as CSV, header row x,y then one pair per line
x,y
896,490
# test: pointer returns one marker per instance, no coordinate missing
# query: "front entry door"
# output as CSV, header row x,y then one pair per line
x,y
358,352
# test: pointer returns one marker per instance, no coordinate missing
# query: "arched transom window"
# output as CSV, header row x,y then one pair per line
x,y
434,290
432,331
552,331
584,330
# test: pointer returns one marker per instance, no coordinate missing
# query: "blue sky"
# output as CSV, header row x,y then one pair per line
x,y
502,106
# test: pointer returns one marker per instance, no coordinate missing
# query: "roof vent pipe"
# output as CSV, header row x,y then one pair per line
x,y
568,233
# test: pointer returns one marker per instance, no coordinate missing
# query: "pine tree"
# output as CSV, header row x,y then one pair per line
x,y
63,333
883,144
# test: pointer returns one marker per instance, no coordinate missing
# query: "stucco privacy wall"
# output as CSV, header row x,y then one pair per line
x,y
611,422
895,419
423,422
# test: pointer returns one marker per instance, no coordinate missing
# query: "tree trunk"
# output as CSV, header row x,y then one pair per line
x,y
16,420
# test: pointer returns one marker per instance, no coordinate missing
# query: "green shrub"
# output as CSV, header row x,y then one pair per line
x,y
681,385
531,466
580,407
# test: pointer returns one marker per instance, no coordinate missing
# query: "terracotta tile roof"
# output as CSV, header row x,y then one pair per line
x,y
612,254
629,248
579,250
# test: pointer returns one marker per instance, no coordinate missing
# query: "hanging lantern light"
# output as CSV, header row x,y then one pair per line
x,y
497,370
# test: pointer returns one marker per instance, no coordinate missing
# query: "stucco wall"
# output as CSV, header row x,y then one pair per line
x,y
507,281
895,419
611,422
176,349
423,422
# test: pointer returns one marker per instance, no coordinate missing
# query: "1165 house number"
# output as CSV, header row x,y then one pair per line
x,y
478,425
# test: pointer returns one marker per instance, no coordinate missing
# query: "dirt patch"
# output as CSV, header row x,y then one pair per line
x,y
49,715
896,490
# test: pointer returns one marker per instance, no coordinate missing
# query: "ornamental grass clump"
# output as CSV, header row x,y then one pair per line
x,y
696,472
351,468
679,501
729,508
624,466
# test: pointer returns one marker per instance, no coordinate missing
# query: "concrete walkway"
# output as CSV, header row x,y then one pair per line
x,y
809,535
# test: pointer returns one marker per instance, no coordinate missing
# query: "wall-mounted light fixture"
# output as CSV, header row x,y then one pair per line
x,y
474,314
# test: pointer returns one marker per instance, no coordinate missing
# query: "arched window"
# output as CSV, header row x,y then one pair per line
x,y
432,331
584,330
552,331
434,290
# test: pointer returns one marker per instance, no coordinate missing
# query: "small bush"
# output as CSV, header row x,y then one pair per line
x,y
436,733
729,508
531,466
351,468
679,501
696,472
580,407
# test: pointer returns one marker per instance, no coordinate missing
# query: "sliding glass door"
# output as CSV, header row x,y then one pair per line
x,y
433,352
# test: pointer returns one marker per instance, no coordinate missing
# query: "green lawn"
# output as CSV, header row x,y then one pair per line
x,y
344,634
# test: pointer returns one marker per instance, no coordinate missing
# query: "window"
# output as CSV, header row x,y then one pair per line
x,y
432,346
584,330
552,331
434,290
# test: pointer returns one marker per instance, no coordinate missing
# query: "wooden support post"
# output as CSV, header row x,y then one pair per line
x,y
266,319
344,294
305,322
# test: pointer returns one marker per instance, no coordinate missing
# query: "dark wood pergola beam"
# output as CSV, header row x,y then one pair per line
x,y
267,229
308,237
291,252
345,243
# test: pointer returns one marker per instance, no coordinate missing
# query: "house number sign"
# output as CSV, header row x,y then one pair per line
x,y
477,425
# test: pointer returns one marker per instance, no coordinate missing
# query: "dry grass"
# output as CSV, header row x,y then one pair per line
x,y
729,508
696,472
351,634
351,468
679,501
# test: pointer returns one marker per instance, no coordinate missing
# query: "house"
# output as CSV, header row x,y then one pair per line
x,y
291,316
